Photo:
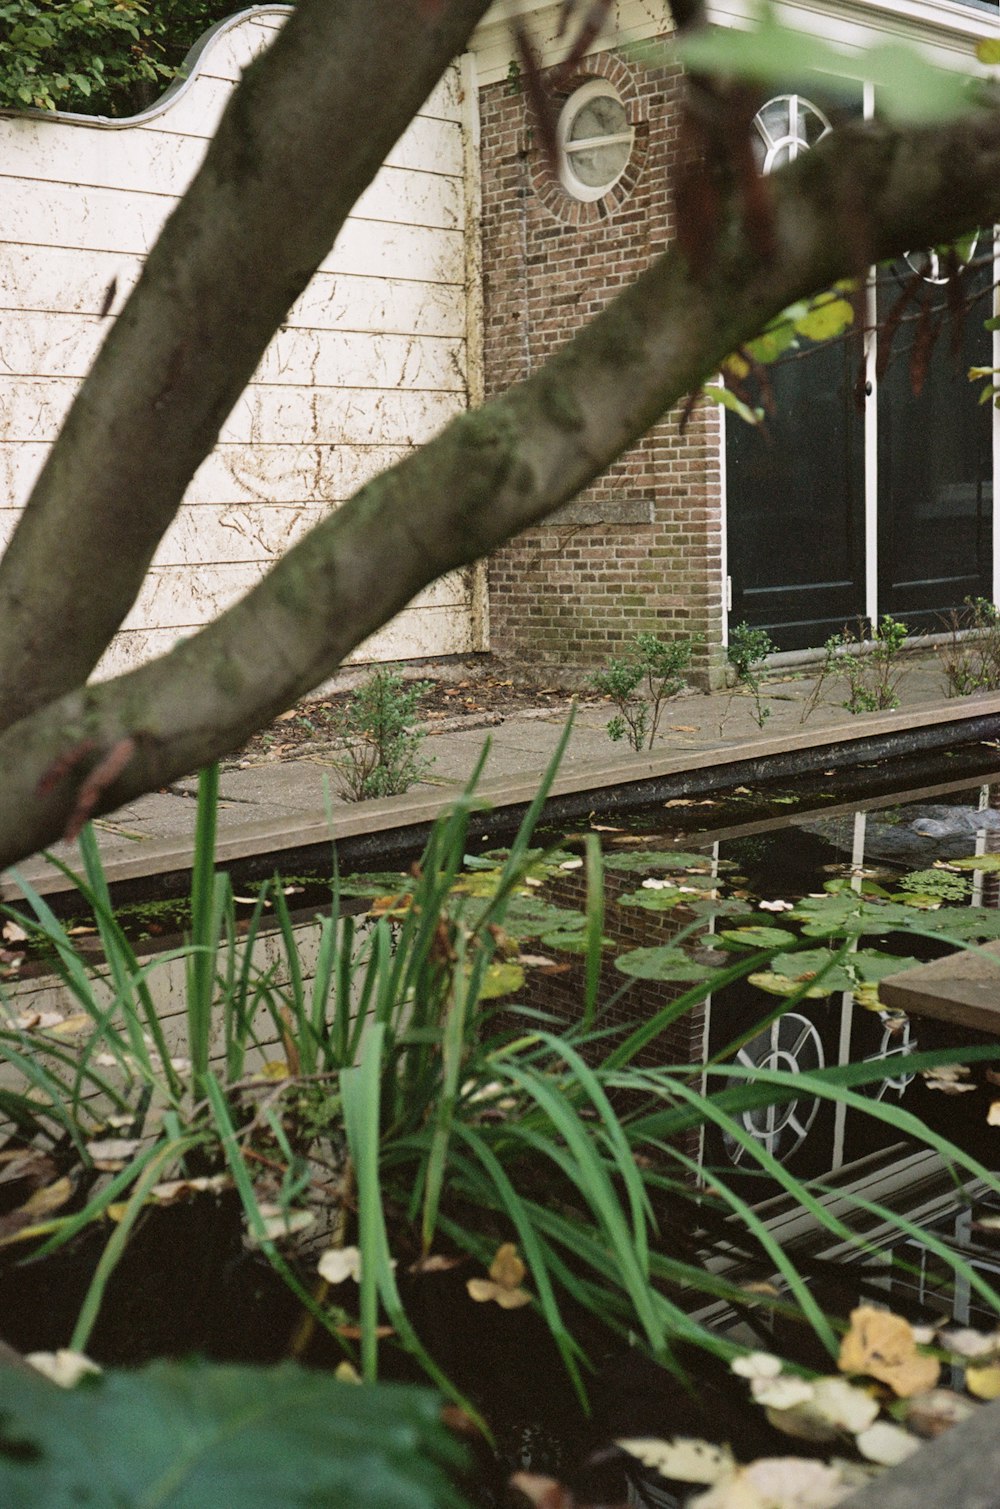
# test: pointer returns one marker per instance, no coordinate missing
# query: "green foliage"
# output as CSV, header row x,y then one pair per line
x,y
971,658
103,57
868,659
747,652
188,1435
640,682
380,737
911,90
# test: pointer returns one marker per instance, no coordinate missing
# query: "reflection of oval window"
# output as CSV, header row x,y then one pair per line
x,y
595,140
784,127
933,265
792,1045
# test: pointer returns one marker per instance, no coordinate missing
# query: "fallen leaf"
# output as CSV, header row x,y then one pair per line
x,y
886,1444
503,1286
542,1492
776,1483
112,1153
882,1345
14,933
338,1264
172,1190
933,1413
993,1114
685,1458
70,1026
279,1221
984,1383
757,1365
435,1262
354,1333
63,1367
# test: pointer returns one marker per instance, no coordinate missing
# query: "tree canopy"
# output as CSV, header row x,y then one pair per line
x,y
276,186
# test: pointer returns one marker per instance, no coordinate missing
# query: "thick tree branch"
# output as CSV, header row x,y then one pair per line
x,y
496,470
301,139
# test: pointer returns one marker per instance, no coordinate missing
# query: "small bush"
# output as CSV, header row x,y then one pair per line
x,y
746,652
381,753
869,662
971,659
639,682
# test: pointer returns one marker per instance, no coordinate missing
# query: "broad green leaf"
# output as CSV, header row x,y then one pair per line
x,y
658,860
871,964
729,400
501,980
656,901
666,963
825,319
813,961
190,1435
988,863
756,937
784,985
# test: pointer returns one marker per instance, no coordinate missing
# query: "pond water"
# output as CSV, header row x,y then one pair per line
x,y
694,872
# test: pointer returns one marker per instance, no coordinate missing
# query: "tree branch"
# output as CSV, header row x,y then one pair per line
x,y
298,144
494,471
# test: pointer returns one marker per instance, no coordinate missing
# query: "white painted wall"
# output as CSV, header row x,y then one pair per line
x,y
373,360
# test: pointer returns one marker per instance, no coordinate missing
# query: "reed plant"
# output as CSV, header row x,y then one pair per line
x,y
380,1097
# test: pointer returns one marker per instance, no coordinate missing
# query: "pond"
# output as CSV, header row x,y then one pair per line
x,y
781,898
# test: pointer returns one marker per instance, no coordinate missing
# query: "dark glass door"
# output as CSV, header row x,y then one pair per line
x,y
795,502
935,465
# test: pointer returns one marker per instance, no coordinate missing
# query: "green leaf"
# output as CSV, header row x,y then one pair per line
x,y
825,319
988,863
757,937
187,1435
988,51
784,985
656,900
728,399
658,860
501,980
666,963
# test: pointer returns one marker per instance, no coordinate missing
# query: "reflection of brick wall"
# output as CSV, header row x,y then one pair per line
x,y
641,548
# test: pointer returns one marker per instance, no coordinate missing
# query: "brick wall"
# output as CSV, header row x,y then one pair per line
x,y
641,548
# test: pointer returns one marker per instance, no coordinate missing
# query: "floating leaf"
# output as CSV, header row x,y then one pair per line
x,y
665,963
684,1458
757,937
984,1382
933,1413
886,1444
63,1367
659,860
784,985
883,1346
503,1286
500,980
988,863
775,1483
338,1264
280,1221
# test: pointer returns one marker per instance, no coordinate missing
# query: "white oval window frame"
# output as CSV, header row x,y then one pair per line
x,y
793,140
593,89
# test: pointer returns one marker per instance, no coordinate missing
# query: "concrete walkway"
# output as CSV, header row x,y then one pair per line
x,y
274,805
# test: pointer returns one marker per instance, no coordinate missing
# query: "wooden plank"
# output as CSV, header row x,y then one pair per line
x,y
345,416
416,632
292,473
49,151
962,989
394,305
58,279
418,198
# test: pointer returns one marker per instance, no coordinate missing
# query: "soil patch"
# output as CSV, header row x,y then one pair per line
x,y
491,693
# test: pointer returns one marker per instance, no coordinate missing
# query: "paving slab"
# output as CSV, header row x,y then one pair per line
x,y
962,989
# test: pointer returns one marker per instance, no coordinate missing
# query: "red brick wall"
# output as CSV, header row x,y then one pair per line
x,y
641,548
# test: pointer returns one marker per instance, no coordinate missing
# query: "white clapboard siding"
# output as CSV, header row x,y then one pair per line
x,y
627,21
372,361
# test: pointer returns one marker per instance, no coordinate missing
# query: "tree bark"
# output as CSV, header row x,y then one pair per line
x,y
303,136
494,471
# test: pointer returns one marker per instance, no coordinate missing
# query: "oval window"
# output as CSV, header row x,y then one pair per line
x,y
595,140
784,127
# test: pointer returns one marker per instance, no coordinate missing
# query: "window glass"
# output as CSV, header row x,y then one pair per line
x,y
595,139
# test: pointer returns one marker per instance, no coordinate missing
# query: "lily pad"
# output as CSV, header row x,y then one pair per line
x,y
666,963
641,862
760,936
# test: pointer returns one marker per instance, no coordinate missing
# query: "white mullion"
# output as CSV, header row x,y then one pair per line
x,y
871,421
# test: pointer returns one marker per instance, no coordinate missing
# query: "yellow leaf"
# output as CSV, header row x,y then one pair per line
x,y
686,1459
993,1114
984,1383
506,1269
883,1346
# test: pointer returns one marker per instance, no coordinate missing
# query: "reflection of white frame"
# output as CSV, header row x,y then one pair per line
x,y
792,139
792,1044
594,89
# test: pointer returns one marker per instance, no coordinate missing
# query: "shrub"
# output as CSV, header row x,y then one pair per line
x,y
381,741
638,683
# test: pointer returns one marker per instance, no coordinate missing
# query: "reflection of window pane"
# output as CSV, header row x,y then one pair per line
x,y
596,165
603,116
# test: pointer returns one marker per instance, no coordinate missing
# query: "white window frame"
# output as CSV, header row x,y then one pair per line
x,y
593,89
